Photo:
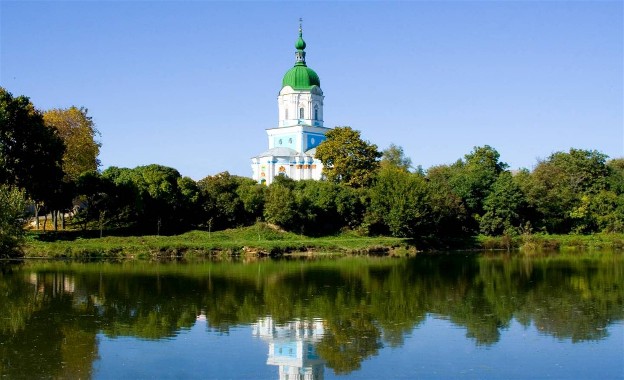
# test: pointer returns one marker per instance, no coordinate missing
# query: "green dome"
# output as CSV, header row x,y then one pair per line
x,y
300,44
301,77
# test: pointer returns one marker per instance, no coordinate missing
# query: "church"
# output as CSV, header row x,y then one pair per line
x,y
300,129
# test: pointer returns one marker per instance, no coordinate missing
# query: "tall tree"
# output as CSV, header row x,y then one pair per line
x,y
79,134
30,153
505,207
394,156
558,184
347,158
399,202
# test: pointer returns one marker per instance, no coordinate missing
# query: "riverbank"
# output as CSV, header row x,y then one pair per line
x,y
265,240
544,242
257,240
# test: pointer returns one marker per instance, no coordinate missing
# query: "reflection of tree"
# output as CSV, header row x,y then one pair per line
x,y
349,339
45,335
364,303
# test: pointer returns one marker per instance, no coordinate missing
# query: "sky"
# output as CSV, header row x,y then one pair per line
x,y
193,85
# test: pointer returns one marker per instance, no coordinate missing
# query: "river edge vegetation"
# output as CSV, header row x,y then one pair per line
x,y
262,240
370,200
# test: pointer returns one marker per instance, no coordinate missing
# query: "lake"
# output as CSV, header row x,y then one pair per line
x,y
474,316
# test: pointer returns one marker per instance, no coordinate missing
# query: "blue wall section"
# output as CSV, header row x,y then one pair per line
x,y
313,139
287,141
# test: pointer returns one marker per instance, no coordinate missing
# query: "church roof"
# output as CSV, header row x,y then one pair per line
x,y
279,152
301,77
311,152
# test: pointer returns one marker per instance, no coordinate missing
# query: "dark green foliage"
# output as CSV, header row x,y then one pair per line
x,y
12,207
153,195
399,203
472,179
229,201
557,185
505,207
30,153
280,207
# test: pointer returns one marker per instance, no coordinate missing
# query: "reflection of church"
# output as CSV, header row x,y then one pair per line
x,y
300,130
292,347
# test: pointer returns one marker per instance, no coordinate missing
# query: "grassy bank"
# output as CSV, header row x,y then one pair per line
x,y
255,240
539,242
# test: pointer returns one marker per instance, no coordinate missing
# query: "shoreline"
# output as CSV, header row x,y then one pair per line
x,y
265,241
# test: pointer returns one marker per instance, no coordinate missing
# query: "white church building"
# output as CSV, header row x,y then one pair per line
x,y
300,129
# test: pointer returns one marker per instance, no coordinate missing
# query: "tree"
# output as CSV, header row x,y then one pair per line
x,y
399,202
280,207
78,132
449,215
558,184
12,206
222,206
30,153
505,207
347,158
394,156
476,175
158,200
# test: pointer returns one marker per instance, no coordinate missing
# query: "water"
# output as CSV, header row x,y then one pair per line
x,y
445,316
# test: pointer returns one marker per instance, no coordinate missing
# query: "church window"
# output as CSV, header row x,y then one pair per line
x,y
280,141
290,141
286,116
301,113
316,112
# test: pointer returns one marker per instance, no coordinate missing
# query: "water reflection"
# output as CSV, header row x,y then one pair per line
x,y
292,347
311,314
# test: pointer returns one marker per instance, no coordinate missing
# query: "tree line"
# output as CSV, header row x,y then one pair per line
x,y
51,159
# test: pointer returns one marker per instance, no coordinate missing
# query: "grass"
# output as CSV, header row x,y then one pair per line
x,y
260,239
540,242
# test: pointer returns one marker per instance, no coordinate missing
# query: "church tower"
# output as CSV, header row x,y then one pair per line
x,y
300,129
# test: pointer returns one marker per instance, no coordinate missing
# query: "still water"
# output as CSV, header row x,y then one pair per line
x,y
445,316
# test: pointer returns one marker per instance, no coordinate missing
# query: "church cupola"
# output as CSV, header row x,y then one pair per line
x,y
300,100
300,77
300,46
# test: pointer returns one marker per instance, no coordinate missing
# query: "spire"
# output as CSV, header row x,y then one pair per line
x,y
300,45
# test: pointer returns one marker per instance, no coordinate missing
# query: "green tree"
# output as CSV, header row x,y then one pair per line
x,y
280,206
475,176
558,184
222,206
158,200
12,206
253,197
399,203
448,210
615,179
505,207
30,153
79,134
347,158
394,156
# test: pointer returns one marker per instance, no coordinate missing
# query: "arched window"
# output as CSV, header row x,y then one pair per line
x,y
316,112
301,113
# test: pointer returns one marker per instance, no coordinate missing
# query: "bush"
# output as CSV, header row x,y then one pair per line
x,y
12,213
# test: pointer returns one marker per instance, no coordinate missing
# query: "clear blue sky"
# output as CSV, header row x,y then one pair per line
x,y
193,85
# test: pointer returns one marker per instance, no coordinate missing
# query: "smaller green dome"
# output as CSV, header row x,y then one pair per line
x,y
301,77
300,44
